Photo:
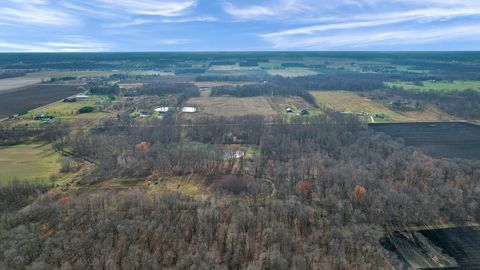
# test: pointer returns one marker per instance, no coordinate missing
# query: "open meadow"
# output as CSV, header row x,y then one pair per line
x,y
346,101
32,162
438,86
291,72
232,106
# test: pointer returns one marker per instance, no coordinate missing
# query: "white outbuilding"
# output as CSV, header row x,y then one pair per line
x,y
189,109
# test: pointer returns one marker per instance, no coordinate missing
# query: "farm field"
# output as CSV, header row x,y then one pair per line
x,y
17,82
430,112
441,139
91,73
456,247
291,72
28,162
220,83
32,97
67,109
296,103
345,101
439,86
232,106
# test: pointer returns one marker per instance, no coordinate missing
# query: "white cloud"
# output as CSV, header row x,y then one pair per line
x,y
36,12
134,22
250,12
367,39
190,19
423,15
174,41
69,44
153,7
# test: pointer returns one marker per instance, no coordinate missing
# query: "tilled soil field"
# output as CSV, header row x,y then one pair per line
x,y
441,139
31,97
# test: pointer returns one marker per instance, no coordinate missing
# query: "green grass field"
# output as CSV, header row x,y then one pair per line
x,y
345,101
66,110
28,162
291,72
439,86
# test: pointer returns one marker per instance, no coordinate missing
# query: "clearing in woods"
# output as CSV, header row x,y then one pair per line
x,y
232,106
32,162
346,101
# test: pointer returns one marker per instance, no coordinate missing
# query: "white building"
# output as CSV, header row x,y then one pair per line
x,y
189,109
162,109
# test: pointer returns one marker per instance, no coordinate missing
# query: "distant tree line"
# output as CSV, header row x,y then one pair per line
x,y
11,73
103,89
183,91
464,104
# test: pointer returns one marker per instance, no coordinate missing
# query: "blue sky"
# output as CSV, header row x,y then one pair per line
x,y
218,25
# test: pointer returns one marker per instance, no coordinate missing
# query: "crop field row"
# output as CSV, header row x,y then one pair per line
x,y
17,82
438,86
440,140
232,106
438,248
291,72
32,97
345,101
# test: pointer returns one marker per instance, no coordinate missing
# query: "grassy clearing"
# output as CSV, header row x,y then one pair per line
x,y
191,185
280,104
346,101
66,110
291,72
232,106
28,162
438,86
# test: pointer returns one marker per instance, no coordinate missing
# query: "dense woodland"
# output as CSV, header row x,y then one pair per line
x,y
317,194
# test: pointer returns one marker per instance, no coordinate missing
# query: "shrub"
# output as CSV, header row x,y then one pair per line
x,y
86,109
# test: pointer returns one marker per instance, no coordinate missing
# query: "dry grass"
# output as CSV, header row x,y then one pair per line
x,y
232,106
346,101
129,86
28,162
17,82
294,102
220,83
430,113
291,72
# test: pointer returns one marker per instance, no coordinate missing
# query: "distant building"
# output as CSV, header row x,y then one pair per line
x,y
70,100
234,154
189,109
144,114
81,97
42,117
162,109
304,112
